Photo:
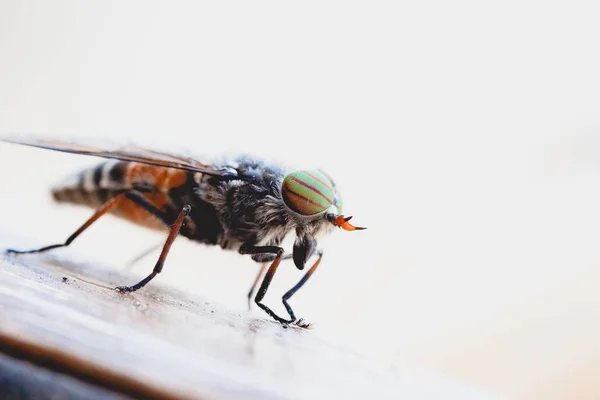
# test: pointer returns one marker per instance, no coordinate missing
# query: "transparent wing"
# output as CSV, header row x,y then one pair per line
x,y
119,152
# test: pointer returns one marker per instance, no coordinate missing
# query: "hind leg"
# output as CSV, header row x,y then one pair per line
x,y
134,195
106,207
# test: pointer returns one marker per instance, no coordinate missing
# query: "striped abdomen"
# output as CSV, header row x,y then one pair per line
x,y
93,187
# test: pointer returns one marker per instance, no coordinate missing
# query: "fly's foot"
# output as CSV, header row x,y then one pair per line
x,y
302,323
15,251
40,250
125,289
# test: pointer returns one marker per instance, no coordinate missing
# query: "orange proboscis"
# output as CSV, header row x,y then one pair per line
x,y
343,223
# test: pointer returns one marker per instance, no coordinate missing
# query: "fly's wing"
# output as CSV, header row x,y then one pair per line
x,y
125,153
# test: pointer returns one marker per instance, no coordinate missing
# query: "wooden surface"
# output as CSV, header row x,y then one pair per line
x,y
22,380
65,318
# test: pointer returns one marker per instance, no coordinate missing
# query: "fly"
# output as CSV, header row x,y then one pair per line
x,y
244,204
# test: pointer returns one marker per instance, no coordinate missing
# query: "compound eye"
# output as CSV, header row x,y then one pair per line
x,y
308,192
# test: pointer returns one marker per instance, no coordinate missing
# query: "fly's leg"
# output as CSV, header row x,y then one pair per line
x,y
266,252
109,205
301,322
163,255
139,199
258,277
145,253
261,271
133,195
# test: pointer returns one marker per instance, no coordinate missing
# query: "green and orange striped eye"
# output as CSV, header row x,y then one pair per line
x,y
308,192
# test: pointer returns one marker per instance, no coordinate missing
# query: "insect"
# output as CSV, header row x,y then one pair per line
x,y
243,204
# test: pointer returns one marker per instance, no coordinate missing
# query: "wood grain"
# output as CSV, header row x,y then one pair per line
x,y
163,343
22,380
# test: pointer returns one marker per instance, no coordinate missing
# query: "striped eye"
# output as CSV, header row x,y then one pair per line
x,y
308,192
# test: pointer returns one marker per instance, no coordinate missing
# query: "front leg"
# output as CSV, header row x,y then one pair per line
x,y
301,322
267,252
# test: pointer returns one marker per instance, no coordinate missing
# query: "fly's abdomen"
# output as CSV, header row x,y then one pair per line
x,y
94,186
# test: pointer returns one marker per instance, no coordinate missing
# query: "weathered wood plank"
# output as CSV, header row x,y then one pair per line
x,y
164,343
22,380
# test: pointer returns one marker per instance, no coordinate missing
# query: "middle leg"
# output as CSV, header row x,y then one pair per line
x,y
260,274
265,253
163,255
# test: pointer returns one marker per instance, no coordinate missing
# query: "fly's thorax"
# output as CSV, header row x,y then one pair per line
x,y
248,208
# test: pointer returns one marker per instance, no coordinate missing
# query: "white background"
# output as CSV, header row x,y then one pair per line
x,y
465,135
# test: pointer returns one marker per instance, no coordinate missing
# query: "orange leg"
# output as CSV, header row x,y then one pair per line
x,y
109,205
163,255
261,271
146,252
260,274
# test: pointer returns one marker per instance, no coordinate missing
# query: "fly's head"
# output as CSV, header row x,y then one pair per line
x,y
311,198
